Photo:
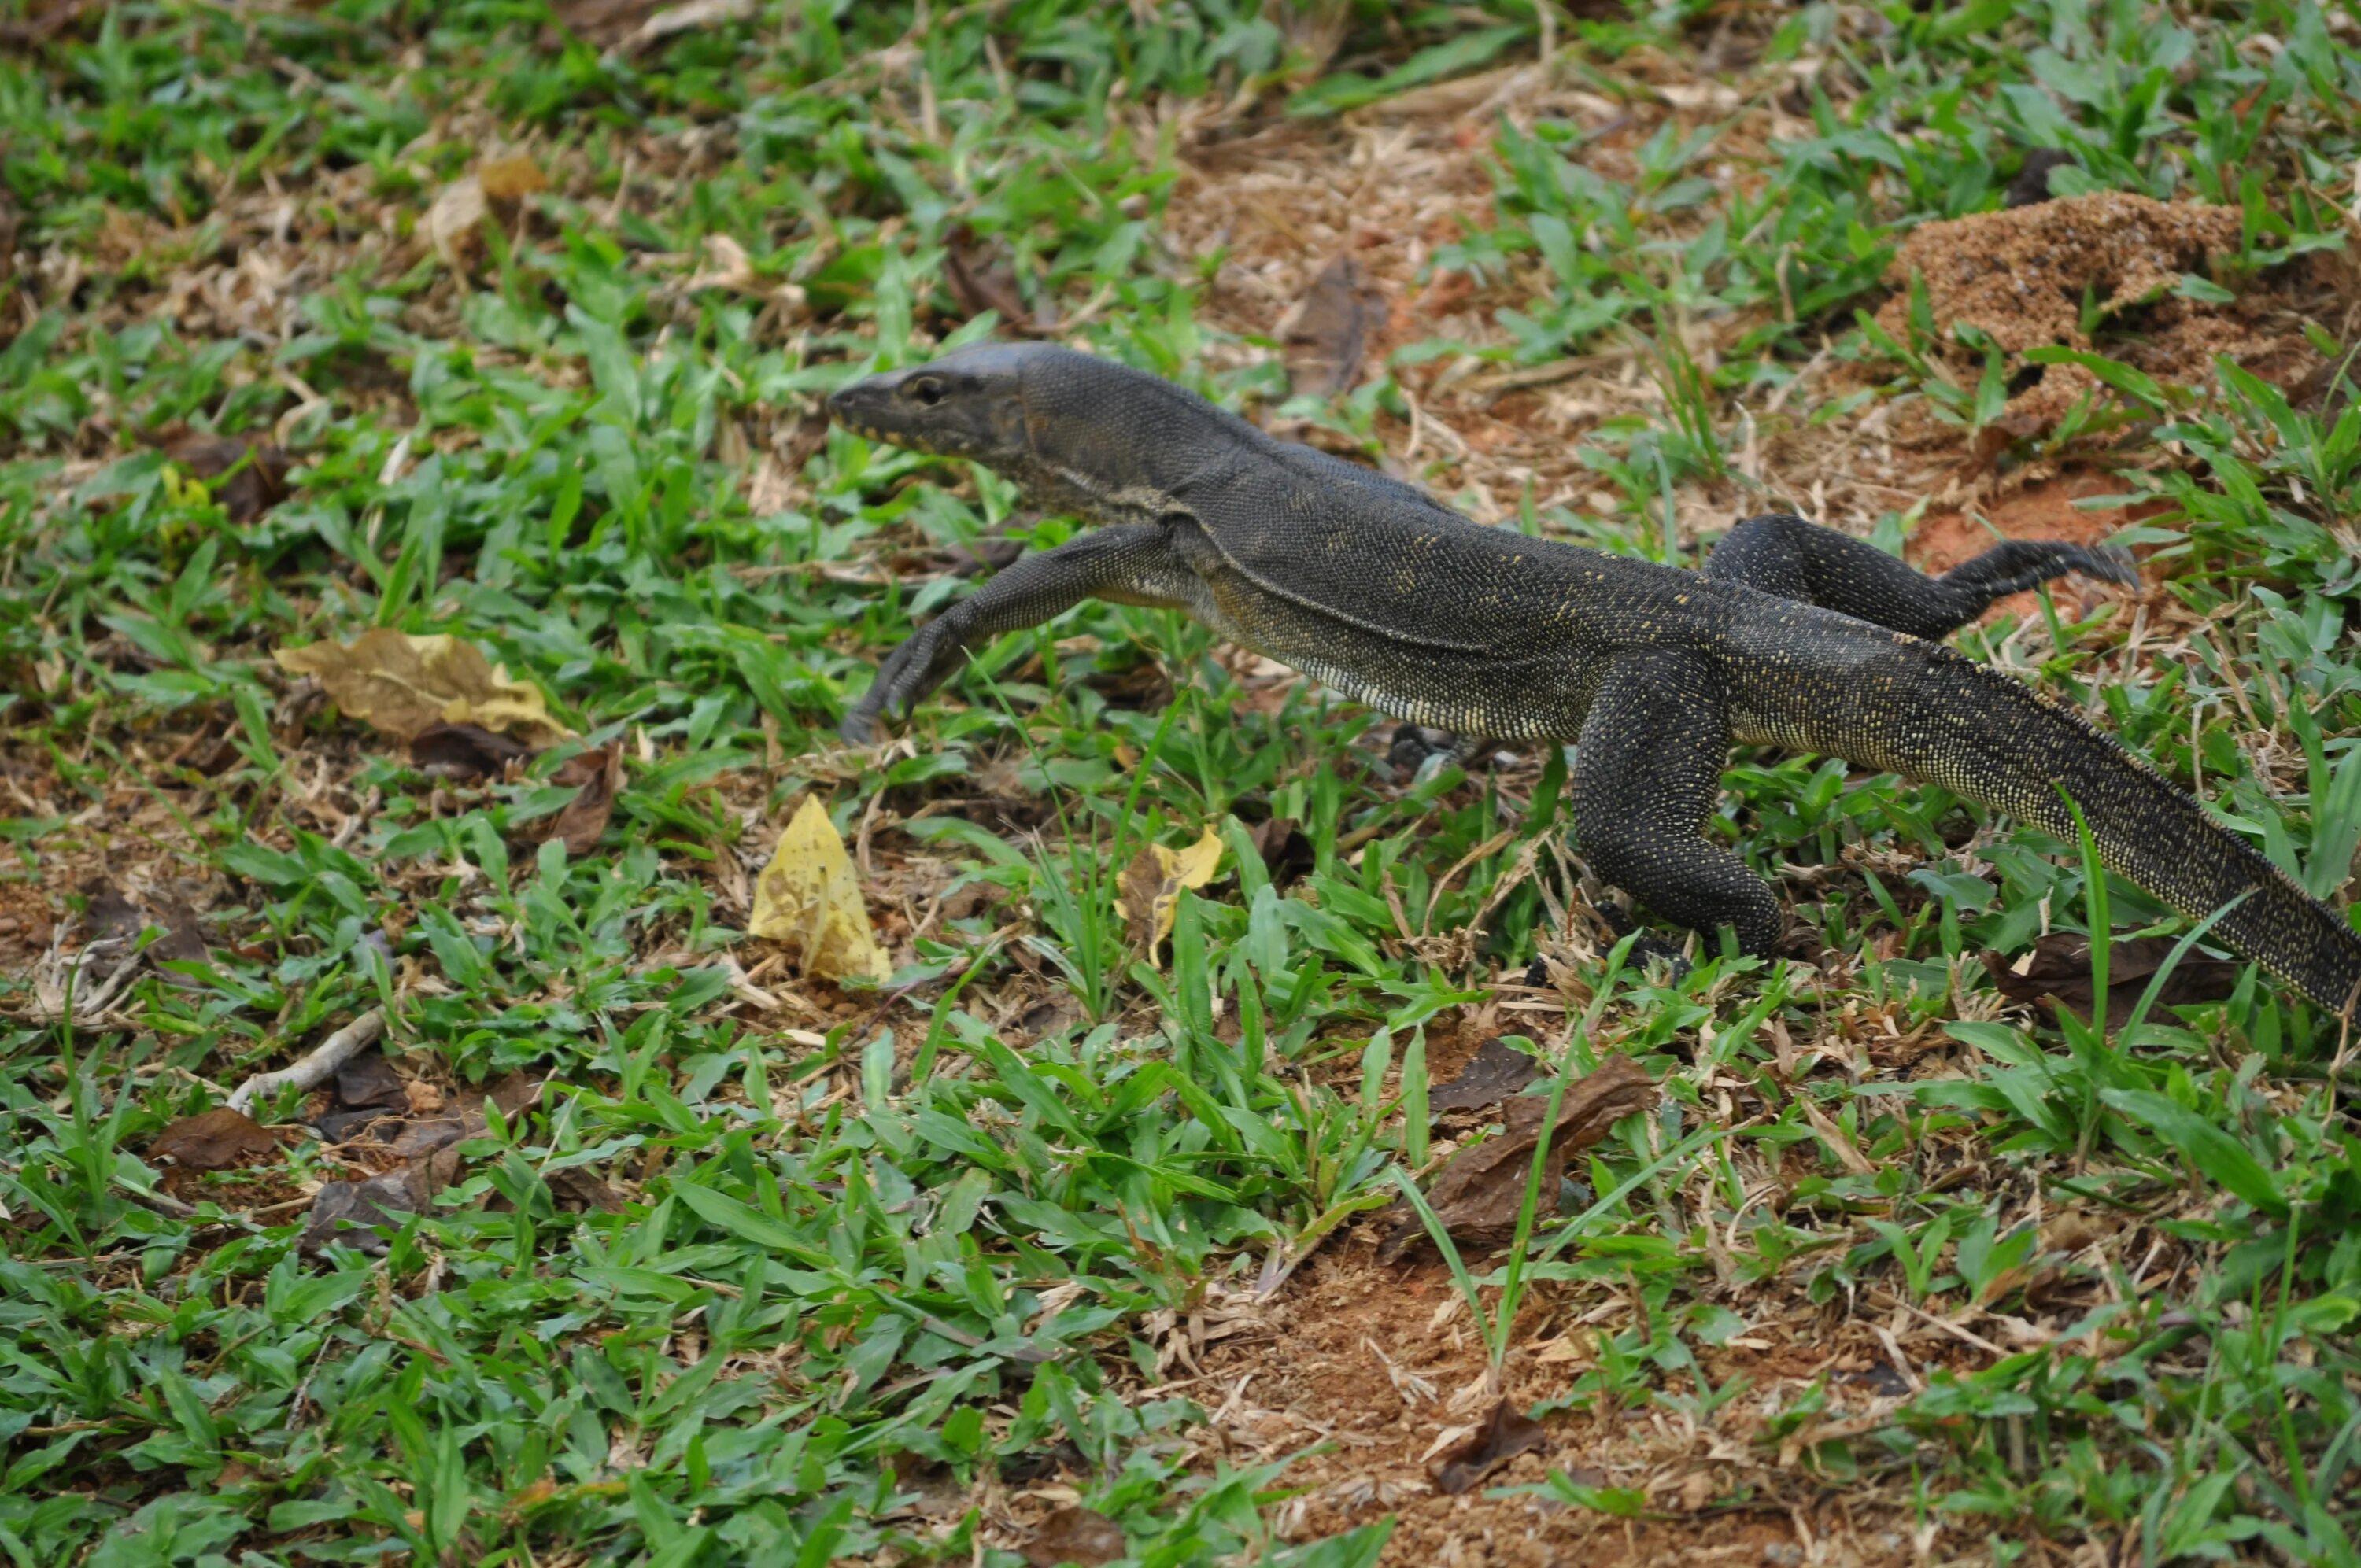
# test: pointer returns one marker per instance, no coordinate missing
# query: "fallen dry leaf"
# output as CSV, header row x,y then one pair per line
x,y
1075,1535
1477,1194
1286,853
369,1079
576,1190
1151,885
466,750
218,1139
369,1094
979,283
404,683
351,1212
808,895
584,820
1496,1071
509,179
258,484
1331,330
2057,971
1506,1432
451,220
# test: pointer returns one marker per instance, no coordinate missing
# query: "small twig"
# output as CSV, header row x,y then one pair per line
x,y
314,1069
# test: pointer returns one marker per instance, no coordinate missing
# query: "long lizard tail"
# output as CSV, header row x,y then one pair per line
x,y
1997,741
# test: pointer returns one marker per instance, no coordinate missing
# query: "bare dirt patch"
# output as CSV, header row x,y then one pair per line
x,y
1384,190
2103,272
2046,509
1379,1368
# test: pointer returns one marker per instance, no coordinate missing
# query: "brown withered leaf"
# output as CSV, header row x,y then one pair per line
x,y
1286,853
369,1080
1496,1071
1477,1194
510,178
1150,887
183,941
517,1092
466,750
404,683
108,914
979,283
258,482
599,774
426,1134
577,1190
1075,1535
352,1212
219,1139
344,1126
1506,1432
1333,328
2057,972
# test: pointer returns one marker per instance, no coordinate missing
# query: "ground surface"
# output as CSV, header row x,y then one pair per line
x,y
509,324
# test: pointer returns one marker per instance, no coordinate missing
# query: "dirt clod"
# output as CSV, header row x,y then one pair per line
x,y
2022,276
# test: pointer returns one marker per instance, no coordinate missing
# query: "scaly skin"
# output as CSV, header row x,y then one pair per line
x,y
1792,635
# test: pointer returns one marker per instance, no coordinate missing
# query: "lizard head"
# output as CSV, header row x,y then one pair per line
x,y
1076,432
970,403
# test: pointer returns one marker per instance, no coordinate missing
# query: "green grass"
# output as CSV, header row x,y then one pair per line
x,y
835,1278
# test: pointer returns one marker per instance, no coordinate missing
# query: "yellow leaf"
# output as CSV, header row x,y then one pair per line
x,y
1150,887
512,177
403,684
808,895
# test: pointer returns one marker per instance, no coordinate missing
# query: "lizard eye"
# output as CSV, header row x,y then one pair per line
x,y
927,390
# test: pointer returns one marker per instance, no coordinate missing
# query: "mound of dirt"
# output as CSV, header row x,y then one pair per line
x,y
2022,275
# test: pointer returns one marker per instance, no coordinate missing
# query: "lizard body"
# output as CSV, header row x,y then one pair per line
x,y
1792,635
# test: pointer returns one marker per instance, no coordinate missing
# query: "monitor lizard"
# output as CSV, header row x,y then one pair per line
x,y
1792,635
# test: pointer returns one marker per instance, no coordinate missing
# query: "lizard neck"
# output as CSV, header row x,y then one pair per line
x,y
1117,445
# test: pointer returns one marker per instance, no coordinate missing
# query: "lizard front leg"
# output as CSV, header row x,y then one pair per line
x,y
1132,564
1646,775
1783,554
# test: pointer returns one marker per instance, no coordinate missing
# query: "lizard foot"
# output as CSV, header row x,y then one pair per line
x,y
1412,744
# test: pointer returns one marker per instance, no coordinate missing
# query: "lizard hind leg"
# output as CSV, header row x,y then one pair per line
x,y
1781,553
1647,773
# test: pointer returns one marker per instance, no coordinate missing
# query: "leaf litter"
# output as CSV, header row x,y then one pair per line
x,y
2059,971
809,897
1152,884
405,684
1478,1196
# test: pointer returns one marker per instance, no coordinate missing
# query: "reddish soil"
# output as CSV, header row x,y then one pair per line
x,y
2045,510
1376,1365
